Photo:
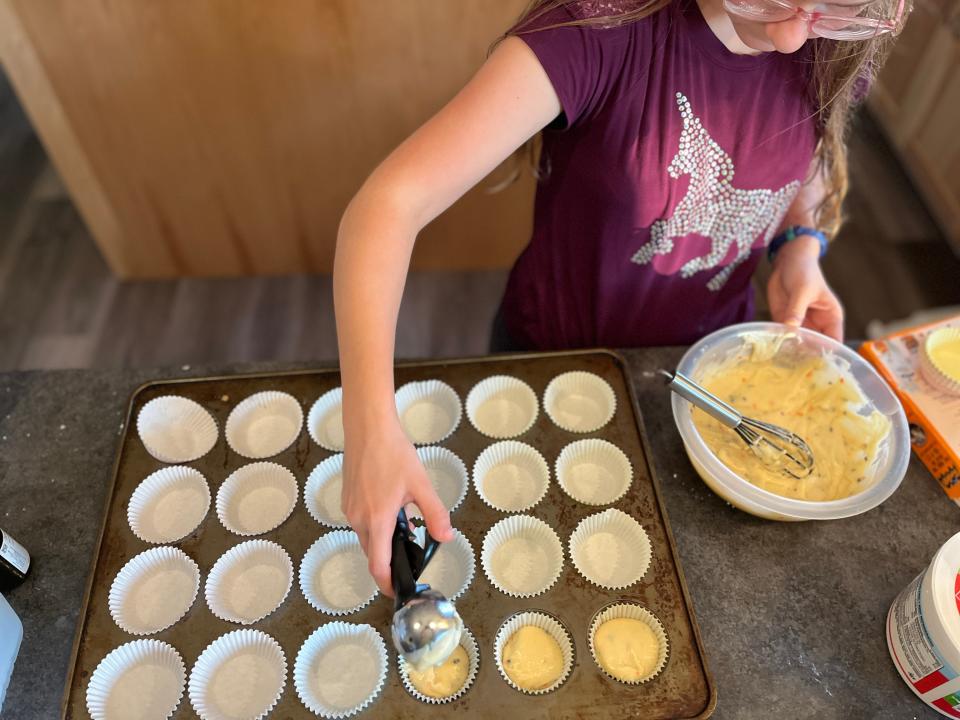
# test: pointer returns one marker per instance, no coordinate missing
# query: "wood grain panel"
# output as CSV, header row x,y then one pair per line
x,y
215,137
908,81
917,100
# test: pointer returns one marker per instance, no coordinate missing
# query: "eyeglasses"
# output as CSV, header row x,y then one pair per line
x,y
839,21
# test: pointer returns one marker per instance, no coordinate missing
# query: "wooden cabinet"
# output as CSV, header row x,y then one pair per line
x,y
917,100
222,137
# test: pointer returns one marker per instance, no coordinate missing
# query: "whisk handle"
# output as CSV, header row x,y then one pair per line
x,y
706,401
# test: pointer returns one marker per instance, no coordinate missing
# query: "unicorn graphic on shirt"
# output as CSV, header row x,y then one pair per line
x,y
713,207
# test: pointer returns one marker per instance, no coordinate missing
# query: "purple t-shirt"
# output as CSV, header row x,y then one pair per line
x,y
667,174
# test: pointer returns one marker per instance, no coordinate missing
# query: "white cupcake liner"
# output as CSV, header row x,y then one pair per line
x,y
594,472
429,411
502,407
340,669
447,474
325,420
579,401
610,549
241,674
452,567
143,679
168,504
249,581
322,492
633,611
175,429
264,424
551,626
521,556
153,590
333,574
257,498
934,373
469,643
511,476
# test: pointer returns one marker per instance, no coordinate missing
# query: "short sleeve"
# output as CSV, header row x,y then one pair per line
x,y
583,62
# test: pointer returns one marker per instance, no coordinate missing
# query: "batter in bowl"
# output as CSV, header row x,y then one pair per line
x,y
443,680
532,658
810,396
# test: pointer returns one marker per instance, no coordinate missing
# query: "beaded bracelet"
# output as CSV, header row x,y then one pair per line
x,y
789,234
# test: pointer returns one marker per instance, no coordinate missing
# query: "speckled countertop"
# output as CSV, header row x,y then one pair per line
x,y
792,614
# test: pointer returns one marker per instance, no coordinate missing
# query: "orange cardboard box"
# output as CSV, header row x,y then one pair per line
x,y
934,416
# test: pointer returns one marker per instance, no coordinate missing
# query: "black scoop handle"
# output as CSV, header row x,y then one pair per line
x,y
408,560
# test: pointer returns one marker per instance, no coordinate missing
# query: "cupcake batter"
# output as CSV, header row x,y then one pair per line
x,y
627,649
946,356
532,659
811,397
444,680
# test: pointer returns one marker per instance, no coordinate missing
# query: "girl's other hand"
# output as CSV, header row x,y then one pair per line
x,y
381,474
798,293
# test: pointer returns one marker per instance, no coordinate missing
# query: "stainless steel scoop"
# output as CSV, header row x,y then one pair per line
x,y
777,447
426,627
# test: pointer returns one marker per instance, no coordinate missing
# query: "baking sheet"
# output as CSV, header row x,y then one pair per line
x,y
684,689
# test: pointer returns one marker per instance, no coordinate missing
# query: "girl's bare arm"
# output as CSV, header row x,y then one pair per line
x,y
507,102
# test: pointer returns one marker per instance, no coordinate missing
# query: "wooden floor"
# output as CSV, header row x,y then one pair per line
x,y
60,306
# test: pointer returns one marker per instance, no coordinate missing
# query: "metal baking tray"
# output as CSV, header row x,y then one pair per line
x,y
684,689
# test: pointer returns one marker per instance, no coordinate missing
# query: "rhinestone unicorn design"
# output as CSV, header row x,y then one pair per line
x,y
713,207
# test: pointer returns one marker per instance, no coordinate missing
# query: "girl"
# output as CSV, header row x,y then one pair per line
x,y
681,139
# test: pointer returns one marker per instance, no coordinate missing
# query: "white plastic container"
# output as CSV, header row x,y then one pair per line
x,y
888,471
11,633
923,632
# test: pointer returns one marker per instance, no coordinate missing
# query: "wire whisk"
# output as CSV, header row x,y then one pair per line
x,y
778,448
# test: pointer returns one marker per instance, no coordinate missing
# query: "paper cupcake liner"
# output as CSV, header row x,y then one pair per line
x,y
264,424
325,420
610,549
340,669
594,472
579,401
521,556
469,643
633,611
429,411
502,407
168,504
257,498
452,567
133,677
511,476
550,625
239,675
175,429
153,590
321,494
934,373
447,474
249,581
333,574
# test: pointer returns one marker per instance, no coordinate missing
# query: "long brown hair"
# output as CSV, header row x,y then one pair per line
x,y
841,73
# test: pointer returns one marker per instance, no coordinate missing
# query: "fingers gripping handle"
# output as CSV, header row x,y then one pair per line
x,y
408,560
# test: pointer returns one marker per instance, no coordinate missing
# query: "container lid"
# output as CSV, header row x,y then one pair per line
x,y
945,570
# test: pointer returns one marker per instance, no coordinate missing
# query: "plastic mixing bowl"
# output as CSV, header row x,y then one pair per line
x,y
888,468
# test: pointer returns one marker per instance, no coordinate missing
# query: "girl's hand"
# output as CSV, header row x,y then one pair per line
x,y
381,474
798,293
